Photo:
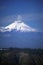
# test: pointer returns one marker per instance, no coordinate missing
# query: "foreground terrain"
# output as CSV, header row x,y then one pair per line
x,y
18,56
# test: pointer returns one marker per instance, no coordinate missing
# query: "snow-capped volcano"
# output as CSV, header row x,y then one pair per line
x,y
18,26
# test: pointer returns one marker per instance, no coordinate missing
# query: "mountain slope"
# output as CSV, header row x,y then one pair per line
x,y
21,40
18,26
13,36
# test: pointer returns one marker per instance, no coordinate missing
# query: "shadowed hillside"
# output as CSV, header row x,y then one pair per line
x,y
18,56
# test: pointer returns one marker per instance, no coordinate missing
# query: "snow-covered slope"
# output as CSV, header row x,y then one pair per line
x,y
18,26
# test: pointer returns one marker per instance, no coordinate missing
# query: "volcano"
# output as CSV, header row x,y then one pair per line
x,y
18,26
18,34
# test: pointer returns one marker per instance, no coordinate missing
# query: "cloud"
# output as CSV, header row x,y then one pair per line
x,y
24,17
2,29
19,17
33,16
8,18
